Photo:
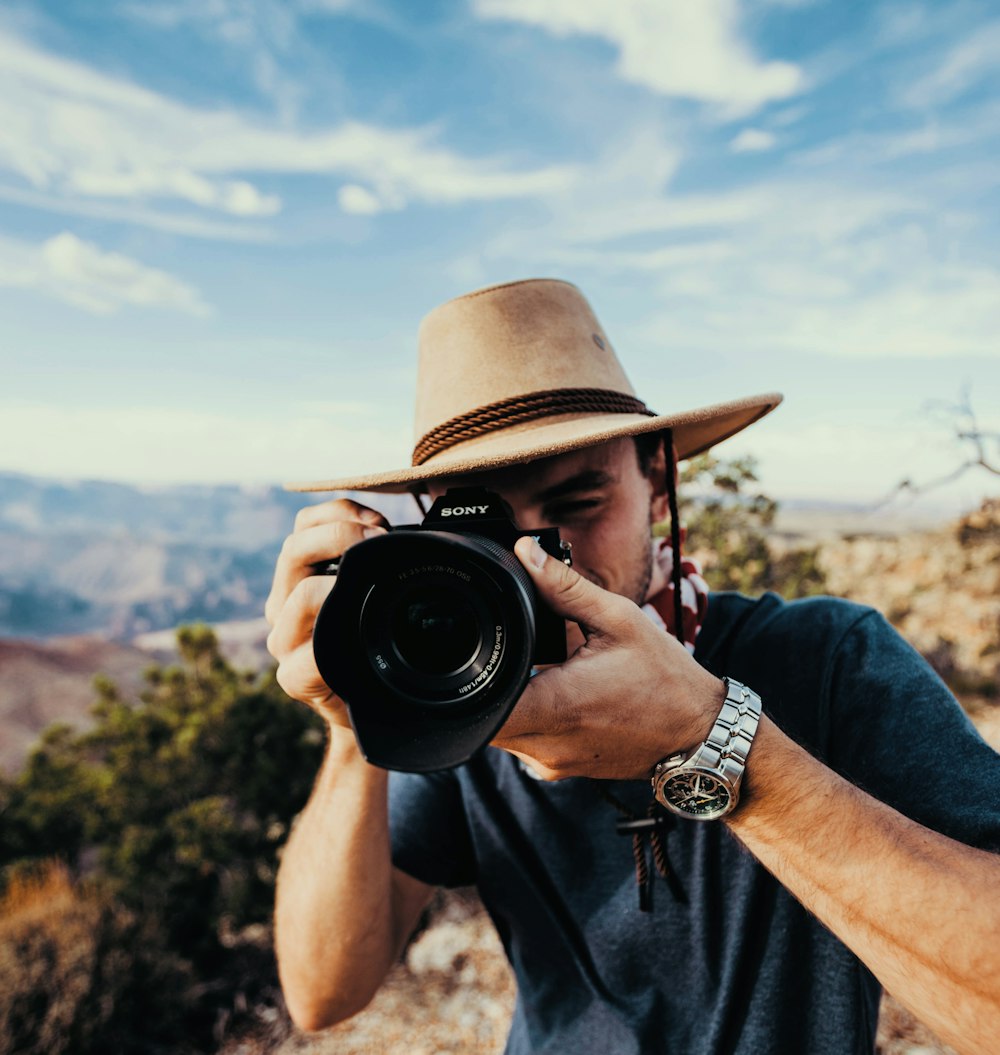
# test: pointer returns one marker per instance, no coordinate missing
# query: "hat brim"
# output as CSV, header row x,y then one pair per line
x,y
695,431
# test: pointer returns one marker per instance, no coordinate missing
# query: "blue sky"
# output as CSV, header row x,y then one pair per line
x,y
222,220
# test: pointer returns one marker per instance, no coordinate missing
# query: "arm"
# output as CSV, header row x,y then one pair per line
x,y
915,906
342,912
920,909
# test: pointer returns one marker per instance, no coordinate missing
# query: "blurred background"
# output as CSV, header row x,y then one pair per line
x,y
220,224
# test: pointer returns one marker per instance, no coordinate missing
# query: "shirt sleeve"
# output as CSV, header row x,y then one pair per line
x,y
429,828
897,732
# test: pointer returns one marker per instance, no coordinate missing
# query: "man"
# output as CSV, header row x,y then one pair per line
x,y
856,815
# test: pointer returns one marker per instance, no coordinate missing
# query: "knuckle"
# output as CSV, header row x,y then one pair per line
x,y
570,584
550,759
293,685
619,610
296,674
345,509
288,547
301,596
334,511
282,677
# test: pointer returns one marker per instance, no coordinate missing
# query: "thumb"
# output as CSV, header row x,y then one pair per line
x,y
565,590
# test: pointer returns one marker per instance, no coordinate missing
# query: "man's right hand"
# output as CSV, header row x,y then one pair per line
x,y
342,912
322,532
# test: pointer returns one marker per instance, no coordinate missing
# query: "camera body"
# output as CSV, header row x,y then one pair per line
x,y
431,631
481,514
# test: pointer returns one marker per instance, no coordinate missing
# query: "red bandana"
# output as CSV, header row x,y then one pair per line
x,y
659,604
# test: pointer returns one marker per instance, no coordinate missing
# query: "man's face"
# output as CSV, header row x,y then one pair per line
x,y
600,501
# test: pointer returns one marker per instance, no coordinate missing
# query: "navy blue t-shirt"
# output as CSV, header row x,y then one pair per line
x,y
735,965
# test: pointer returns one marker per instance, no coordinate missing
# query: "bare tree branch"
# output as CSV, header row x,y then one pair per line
x,y
961,419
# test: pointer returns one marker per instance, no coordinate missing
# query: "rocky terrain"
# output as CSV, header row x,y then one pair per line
x,y
453,994
941,590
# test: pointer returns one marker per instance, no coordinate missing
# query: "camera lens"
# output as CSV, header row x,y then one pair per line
x,y
435,631
428,637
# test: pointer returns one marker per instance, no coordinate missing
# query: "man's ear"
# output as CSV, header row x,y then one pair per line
x,y
657,475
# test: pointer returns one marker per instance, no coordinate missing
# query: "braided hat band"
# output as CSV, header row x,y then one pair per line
x,y
529,407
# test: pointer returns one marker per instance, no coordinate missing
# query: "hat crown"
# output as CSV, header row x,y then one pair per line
x,y
507,341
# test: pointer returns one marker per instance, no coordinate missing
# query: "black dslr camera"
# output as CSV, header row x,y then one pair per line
x,y
431,631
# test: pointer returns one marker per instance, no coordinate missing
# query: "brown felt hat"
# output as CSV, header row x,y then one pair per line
x,y
521,371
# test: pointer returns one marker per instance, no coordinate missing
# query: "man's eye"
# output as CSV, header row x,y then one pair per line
x,y
569,509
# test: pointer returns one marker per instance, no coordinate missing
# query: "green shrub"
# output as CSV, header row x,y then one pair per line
x,y
172,809
728,523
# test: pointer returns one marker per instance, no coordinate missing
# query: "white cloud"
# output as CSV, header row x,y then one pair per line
x,y
236,197
357,200
964,66
808,264
868,294
621,193
101,283
681,48
73,132
752,140
262,32
189,224
941,142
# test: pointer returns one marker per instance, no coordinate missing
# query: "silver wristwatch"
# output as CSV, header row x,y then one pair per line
x,y
705,785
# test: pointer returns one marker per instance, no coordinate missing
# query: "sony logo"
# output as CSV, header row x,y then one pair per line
x,y
463,511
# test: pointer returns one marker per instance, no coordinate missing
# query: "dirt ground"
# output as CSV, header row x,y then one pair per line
x,y
454,994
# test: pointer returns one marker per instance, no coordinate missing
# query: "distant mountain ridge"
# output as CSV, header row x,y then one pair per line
x,y
228,515
113,559
118,560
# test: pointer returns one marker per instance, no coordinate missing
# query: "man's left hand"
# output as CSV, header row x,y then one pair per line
x,y
627,697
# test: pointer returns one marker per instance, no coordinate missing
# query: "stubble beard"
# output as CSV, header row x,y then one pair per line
x,y
643,573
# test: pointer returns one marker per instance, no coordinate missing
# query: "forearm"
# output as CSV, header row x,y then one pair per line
x,y
870,875
334,928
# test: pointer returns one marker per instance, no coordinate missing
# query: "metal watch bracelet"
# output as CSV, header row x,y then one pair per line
x,y
731,737
722,757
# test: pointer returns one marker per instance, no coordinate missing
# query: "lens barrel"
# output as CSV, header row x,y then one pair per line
x,y
428,637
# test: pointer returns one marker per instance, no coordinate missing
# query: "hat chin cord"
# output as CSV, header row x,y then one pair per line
x,y
675,533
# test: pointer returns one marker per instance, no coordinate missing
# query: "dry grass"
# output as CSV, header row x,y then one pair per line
x,y
35,890
79,975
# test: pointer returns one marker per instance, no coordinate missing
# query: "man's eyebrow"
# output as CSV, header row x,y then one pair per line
x,y
588,480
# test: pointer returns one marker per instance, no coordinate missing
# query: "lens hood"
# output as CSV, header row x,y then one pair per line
x,y
428,637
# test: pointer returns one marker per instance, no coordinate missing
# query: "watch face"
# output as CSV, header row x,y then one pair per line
x,y
696,794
